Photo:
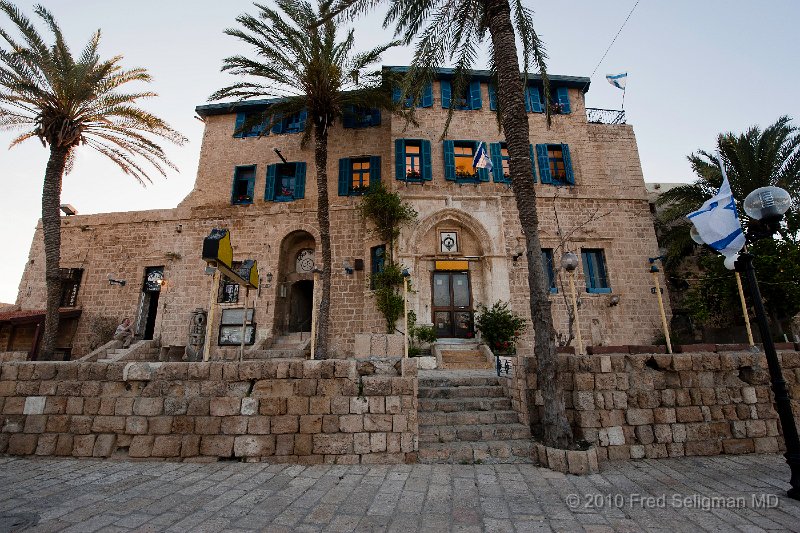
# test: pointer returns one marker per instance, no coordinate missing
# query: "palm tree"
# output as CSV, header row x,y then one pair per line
x,y
453,30
307,68
66,102
752,159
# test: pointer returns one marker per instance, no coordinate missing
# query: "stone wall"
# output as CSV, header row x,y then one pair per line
x,y
308,412
661,405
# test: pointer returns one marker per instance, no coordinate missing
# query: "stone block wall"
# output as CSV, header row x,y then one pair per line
x,y
633,406
308,412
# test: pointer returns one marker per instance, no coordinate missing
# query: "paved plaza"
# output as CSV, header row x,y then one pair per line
x,y
724,493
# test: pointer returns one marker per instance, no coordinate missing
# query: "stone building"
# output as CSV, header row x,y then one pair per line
x,y
465,249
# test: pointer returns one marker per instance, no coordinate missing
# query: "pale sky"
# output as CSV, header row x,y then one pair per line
x,y
695,68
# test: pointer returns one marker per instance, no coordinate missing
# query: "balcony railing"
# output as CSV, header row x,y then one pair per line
x,y
604,116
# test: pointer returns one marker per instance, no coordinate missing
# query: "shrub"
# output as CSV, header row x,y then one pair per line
x,y
499,326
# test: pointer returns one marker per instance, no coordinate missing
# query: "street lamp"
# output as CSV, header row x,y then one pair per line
x,y
569,262
766,206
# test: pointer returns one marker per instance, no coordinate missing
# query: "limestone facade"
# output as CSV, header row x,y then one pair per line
x,y
606,209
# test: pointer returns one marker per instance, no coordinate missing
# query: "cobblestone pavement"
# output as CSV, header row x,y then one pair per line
x,y
85,495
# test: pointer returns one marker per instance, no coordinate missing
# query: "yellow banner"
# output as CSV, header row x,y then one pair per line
x,y
452,265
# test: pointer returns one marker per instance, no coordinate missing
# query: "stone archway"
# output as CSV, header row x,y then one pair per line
x,y
295,287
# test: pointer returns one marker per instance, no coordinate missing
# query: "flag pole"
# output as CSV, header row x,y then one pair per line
x,y
623,99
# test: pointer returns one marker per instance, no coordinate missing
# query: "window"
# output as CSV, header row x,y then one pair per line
x,y
500,162
458,156
559,101
469,99
360,117
594,270
244,179
547,261
425,99
294,123
555,164
251,124
357,174
377,259
412,159
285,182
70,283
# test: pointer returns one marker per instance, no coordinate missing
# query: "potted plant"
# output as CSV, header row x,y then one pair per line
x,y
500,327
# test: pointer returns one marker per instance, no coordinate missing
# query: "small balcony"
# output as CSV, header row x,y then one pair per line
x,y
604,116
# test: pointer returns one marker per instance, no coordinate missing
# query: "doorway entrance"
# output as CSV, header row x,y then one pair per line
x,y
148,307
452,305
301,302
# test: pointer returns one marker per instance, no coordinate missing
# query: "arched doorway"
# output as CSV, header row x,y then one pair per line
x,y
295,287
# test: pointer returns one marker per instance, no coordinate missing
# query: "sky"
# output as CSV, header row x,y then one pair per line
x,y
695,69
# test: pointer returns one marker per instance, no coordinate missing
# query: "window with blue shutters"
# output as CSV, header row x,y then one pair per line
x,y
285,182
560,104
533,99
377,259
555,164
294,123
244,179
425,99
501,172
251,124
358,174
594,270
361,117
412,160
469,99
547,261
458,159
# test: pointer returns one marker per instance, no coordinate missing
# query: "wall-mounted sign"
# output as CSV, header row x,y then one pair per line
x,y
232,335
448,242
452,265
218,252
235,316
304,263
153,279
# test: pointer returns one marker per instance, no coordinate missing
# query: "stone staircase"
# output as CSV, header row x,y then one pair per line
x,y
464,417
289,346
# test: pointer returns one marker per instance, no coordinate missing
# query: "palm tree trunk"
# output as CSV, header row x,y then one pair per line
x,y
556,430
51,225
323,219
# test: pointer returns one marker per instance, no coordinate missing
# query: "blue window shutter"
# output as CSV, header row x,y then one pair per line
x,y
374,170
233,189
251,184
482,173
299,180
302,119
544,163
449,161
427,169
475,95
344,176
497,162
400,159
446,91
376,117
535,99
427,95
269,192
262,127
563,99
237,130
349,117
528,99
533,162
278,127
568,164
396,94
492,98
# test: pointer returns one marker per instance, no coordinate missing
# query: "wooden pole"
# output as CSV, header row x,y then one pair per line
x,y
405,317
744,310
661,309
244,323
212,303
575,312
314,315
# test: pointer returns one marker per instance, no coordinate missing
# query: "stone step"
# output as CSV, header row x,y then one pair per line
x,y
467,391
468,452
449,405
473,432
458,381
275,354
462,418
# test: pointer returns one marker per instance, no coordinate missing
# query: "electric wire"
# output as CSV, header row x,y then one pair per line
x,y
612,44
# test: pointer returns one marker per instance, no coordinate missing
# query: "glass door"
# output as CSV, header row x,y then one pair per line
x,y
452,305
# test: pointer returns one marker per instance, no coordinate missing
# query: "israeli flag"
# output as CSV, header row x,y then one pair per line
x,y
717,221
481,159
618,80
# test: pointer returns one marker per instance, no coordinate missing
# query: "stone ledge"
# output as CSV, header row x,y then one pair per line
x,y
577,462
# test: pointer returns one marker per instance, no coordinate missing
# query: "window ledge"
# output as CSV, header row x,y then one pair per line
x,y
606,290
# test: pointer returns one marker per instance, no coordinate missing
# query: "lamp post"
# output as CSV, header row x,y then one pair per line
x,y
569,261
664,325
766,206
406,275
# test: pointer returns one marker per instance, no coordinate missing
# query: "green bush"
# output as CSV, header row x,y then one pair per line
x,y
500,327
